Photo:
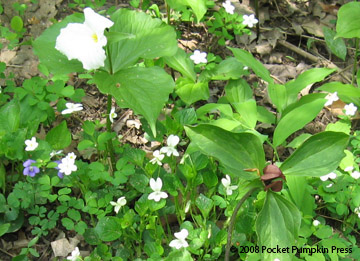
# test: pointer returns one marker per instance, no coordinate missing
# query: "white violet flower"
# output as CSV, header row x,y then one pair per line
x,y
118,204
349,169
85,41
355,174
74,255
229,8
31,144
227,184
67,165
331,97
171,141
180,241
156,186
250,20
112,114
316,223
350,109
331,175
71,107
158,157
199,57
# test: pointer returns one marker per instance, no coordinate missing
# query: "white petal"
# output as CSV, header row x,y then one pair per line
x,y
172,140
175,243
158,184
95,21
332,175
182,234
355,174
153,184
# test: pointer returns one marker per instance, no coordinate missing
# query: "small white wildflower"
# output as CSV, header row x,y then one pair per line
x,y
67,166
331,97
180,241
31,144
156,186
72,107
158,157
199,57
357,210
71,156
170,149
355,174
350,109
112,114
74,255
316,223
331,175
250,20
227,184
229,8
118,204
349,169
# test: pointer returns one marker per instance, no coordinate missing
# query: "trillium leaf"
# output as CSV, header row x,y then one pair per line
x,y
348,23
144,90
191,92
236,151
337,46
182,63
277,226
229,68
44,48
317,156
150,38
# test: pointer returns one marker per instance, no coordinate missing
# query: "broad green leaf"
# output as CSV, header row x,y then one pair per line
x,y
182,63
224,110
295,143
337,46
248,113
277,226
238,91
264,115
113,37
308,77
144,90
44,48
229,68
346,92
108,228
16,23
152,39
278,95
182,255
348,22
10,116
4,228
247,59
317,156
191,92
236,151
205,205
300,114
59,137
198,6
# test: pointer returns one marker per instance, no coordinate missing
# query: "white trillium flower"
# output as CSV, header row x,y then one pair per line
x,y
74,255
355,174
169,150
229,8
331,97
349,169
67,166
118,204
71,107
158,157
31,144
199,57
156,186
227,184
112,114
350,109
316,223
180,241
331,175
250,20
85,41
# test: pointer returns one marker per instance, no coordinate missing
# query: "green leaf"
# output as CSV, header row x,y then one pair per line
x,y
182,255
144,90
348,22
84,144
236,151
205,205
44,48
299,115
277,226
248,113
74,214
182,63
323,232
317,156
346,92
278,95
16,23
67,223
59,137
229,68
337,46
114,37
238,91
4,228
10,116
248,60
109,228
152,39
191,92
198,6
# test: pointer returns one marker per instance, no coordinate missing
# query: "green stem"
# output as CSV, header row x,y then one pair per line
x,y
232,221
167,12
355,61
108,128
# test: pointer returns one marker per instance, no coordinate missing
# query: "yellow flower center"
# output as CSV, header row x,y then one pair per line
x,y
95,38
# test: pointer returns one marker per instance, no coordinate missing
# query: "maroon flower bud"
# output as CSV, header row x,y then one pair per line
x,y
272,178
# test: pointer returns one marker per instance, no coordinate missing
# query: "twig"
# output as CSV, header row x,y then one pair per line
x,y
232,221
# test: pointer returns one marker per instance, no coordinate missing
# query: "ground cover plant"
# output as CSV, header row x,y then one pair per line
x,y
235,177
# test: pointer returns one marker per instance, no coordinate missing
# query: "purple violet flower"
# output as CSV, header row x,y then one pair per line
x,y
30,170
60,175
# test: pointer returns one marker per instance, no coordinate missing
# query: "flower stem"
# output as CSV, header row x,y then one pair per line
x,y
232,221
108,128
